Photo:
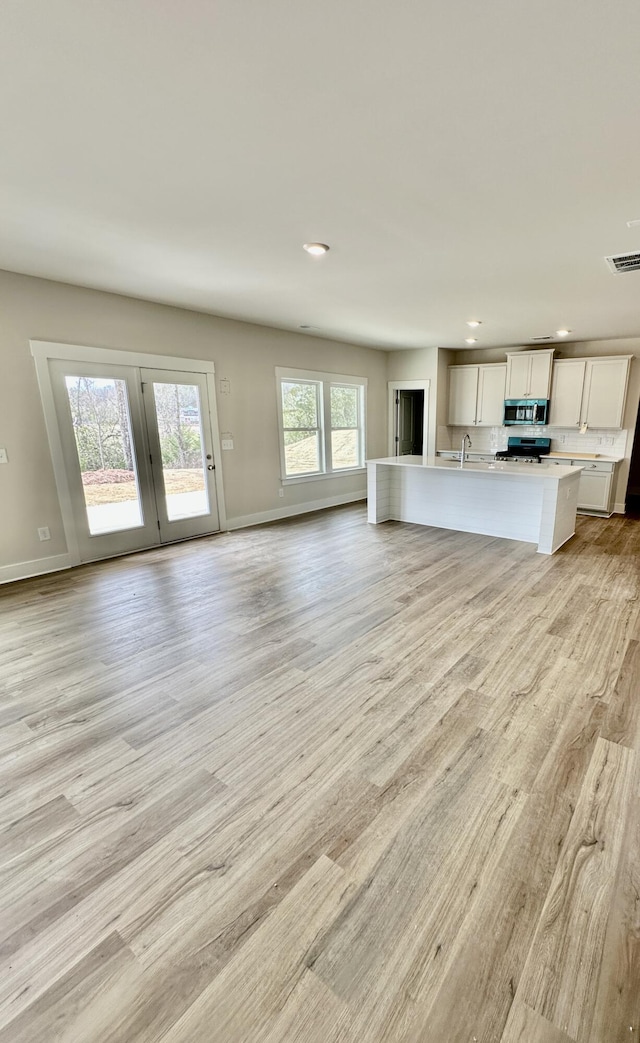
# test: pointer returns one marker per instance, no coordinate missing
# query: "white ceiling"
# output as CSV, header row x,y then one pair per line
x,y
463,159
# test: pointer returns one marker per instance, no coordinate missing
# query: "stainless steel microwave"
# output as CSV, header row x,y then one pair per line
x,y
526,410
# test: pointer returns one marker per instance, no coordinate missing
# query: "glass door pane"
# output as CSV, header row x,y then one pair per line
x,y
101,420
182,456
104,447
179,432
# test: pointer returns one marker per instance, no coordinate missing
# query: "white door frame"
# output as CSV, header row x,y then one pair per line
x,y
43,351
408,385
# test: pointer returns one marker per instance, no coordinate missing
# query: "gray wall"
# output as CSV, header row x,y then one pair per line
x,y
245,354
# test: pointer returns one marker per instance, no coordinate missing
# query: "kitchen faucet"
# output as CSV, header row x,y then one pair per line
x,y
466,441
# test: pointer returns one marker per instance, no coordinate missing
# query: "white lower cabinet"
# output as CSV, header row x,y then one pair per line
x,y
595,491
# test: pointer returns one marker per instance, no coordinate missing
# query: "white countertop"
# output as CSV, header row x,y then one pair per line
x,y
557,454
560,454
497,467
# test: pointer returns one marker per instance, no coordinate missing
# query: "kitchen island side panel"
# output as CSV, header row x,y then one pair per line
x,y
559,505
527,502
468,501
378,494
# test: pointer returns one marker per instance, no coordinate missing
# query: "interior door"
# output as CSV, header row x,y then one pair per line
x,y
410,407
181,453
103,436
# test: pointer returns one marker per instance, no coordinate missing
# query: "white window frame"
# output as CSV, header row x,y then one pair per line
x,y
324,382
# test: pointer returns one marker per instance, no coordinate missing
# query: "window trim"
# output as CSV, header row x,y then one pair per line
x,y
325,382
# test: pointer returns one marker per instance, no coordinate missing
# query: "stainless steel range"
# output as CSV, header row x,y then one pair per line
x,y
525,450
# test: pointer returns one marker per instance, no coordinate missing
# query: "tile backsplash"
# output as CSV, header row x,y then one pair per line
x,y
493,439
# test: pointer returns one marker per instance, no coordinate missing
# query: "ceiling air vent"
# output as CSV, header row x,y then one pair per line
x,y
624,262
536,340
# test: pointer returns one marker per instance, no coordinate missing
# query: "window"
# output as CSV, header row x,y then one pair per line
x,y
321,423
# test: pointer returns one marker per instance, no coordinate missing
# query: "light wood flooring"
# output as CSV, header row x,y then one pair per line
x,y
321,782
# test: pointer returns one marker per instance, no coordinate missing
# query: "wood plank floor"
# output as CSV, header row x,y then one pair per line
x,y
321,782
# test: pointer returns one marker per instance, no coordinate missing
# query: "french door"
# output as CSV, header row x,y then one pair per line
x,y
138,452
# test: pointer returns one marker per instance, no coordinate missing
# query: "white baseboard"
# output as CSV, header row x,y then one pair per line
x,y
39,567
244,521
619,508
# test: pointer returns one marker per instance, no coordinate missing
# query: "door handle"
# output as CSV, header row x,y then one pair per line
x,y
211,467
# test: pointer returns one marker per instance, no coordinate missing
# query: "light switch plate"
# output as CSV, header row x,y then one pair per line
x,y
4,458
227,443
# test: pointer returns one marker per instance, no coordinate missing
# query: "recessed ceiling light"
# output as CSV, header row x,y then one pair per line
x,y
633,224
316,249
470,340
473,323
562,333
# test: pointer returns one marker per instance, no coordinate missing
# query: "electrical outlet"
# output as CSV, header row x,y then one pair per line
x,y
280,492
4,459
43,533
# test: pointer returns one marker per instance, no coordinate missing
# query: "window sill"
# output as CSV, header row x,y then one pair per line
x,y
346,473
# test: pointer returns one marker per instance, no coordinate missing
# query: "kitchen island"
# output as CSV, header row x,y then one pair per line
x,y
535,503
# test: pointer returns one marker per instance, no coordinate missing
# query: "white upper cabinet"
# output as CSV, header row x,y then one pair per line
x,y
476,395
566,392
491,385
589,391
529,374
605,391
518,371
463,394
